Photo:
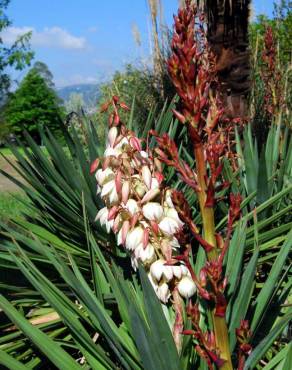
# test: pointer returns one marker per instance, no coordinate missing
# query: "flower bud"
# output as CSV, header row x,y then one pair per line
x,y
112,135
118,182
151,194
152,211
145,237
135,143
125,191
116,224
186,287
147,177
94,165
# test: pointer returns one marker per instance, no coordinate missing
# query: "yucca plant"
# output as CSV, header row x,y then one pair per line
x,y
70,296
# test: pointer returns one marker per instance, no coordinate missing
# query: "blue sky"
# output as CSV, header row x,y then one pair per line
x,y
87,40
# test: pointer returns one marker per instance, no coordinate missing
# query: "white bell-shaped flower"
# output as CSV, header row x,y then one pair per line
x,y
163,292
134,263
180,271
145,255
186,287
159,270
109,191
112,152
132,206
134,238
112,135
152,211
172,213
169,226
121,145
103,176
102,216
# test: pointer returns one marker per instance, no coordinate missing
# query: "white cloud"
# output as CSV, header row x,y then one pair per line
x,y
50,37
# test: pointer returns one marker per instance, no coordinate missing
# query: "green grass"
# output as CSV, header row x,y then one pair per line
x,y
7,151
11,205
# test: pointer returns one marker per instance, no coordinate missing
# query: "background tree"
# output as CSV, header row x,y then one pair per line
x,y
228,37
18,55
281,23
34,104
75,103
271,45
43,70
134,83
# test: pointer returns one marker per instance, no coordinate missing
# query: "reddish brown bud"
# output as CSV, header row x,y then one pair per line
x,y
179,116
94,165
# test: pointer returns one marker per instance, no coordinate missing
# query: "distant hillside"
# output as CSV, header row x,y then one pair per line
x,y
90,93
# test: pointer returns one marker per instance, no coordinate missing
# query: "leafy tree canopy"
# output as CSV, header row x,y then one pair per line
x,y
34,104
18,55
281,24
140,84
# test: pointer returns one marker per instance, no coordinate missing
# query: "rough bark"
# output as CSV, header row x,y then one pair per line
x,y
228,37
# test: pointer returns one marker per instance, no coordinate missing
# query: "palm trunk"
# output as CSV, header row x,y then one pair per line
x,y
228,37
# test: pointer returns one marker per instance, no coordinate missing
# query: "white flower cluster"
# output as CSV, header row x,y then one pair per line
x,y
141,213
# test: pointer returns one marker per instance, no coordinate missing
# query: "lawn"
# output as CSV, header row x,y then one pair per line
x,y
11,205
11,198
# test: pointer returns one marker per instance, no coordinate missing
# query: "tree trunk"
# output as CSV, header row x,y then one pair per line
x,y
228,37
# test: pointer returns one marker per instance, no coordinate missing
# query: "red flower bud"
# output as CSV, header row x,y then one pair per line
x,y
94,165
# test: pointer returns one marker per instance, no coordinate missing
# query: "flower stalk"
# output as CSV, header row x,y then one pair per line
x,y
191,67
154,223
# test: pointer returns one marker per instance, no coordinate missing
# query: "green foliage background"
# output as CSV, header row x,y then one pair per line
x,y
32,105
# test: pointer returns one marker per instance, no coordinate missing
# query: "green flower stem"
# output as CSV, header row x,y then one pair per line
x,y
219,323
